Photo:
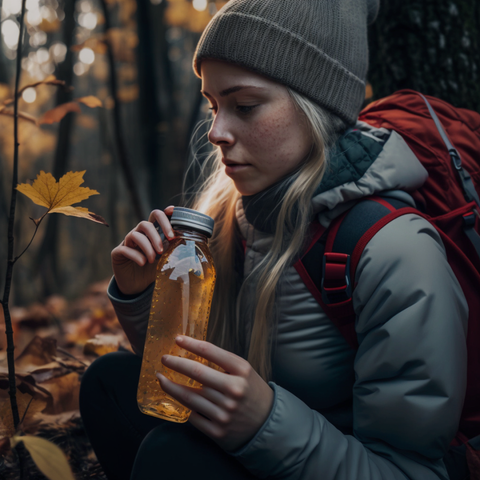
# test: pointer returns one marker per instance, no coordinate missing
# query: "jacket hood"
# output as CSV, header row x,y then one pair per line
x,y
364,161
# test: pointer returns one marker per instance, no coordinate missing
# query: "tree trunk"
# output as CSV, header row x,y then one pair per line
x,y
46,261
150,114
432,46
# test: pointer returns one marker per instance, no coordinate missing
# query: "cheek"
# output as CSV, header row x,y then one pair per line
x,y
274,136
280,139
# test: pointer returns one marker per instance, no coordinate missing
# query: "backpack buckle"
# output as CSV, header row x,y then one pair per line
x,y
336,284
457,161
469,220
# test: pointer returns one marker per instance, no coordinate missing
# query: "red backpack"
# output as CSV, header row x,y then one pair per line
x,y
449,200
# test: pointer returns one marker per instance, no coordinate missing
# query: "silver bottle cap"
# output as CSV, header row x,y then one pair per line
x,y
187,217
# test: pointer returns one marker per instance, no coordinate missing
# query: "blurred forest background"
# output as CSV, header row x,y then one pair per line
x,y
135,56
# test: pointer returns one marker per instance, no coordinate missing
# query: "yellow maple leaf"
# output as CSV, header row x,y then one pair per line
x,y
58,197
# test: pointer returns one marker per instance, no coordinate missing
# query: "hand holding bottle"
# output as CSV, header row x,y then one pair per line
x,y
134,260
231,406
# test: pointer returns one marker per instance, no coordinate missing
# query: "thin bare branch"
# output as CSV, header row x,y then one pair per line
x,y
11,222
37,224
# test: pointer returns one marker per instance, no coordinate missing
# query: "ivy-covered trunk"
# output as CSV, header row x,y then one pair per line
x,y
432,46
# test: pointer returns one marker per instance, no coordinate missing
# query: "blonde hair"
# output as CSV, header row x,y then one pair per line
x,y
217,197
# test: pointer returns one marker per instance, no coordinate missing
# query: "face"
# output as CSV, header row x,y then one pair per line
x,y
262,135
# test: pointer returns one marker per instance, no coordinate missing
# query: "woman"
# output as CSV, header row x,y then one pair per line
x,y
285,80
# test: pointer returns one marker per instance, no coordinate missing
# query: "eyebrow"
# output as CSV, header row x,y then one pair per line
x,y
230,90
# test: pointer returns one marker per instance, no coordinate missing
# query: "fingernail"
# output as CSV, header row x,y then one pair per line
x,y
165,358
179,339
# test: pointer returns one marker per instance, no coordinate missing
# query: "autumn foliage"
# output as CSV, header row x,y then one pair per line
x,y
56,341
58,197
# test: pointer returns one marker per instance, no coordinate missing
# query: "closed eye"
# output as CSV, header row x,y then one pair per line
x,y
246,108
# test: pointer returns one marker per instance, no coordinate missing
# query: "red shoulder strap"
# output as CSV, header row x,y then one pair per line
x,y
339,271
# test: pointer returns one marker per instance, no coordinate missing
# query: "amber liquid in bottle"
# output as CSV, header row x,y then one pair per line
x,y
180,305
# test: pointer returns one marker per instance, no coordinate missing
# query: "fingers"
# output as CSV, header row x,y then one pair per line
x,y
162,220
140,243
191,398
196,371
144,243
230,362
122,255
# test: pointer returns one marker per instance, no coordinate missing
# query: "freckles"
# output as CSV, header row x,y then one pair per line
x,y
273,131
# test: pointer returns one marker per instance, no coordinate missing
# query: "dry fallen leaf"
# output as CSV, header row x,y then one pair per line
x,y
56,114
24,402
90,101
49,458
58,197
102,344
64,391
40,351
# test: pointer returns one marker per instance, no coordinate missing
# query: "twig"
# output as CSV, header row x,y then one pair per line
x,y
11,221
37,224
68,354
26,410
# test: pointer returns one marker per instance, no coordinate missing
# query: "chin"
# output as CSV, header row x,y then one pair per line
x,y
247,190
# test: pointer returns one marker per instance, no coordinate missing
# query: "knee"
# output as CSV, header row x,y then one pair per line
x,y
109,370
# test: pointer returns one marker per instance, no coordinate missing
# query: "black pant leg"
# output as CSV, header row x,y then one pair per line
x,y
181,452
108,405
124,439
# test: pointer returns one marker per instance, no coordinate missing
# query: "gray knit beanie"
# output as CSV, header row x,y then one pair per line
x,y
316,47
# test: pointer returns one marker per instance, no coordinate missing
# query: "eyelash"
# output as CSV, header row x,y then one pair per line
x,y
240,108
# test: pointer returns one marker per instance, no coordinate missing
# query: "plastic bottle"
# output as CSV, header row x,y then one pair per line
x,y
180,305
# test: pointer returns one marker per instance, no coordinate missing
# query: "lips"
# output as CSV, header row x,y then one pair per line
x,y
232,167
231,163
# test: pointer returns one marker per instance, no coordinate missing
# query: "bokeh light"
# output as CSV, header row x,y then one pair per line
x,y
29,95
87,56
34,17
88,20
32,4
10,32
59,51
85,6
11,7
43,55
48,13
200,5
38,38
79,68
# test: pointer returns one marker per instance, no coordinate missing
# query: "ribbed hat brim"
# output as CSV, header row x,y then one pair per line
x,y
318,76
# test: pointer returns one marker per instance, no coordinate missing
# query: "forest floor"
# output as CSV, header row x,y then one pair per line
x,y
55,341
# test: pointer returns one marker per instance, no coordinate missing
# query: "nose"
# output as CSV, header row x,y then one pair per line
x,y
220,133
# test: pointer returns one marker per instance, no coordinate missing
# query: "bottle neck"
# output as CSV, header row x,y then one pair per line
x,y
189,234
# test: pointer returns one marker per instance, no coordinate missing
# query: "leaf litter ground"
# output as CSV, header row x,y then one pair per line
x,y
57,340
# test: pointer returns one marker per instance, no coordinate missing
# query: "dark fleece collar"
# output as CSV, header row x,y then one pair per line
x,y
350,158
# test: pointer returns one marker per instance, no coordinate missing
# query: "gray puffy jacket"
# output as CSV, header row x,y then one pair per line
x,y
390,409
